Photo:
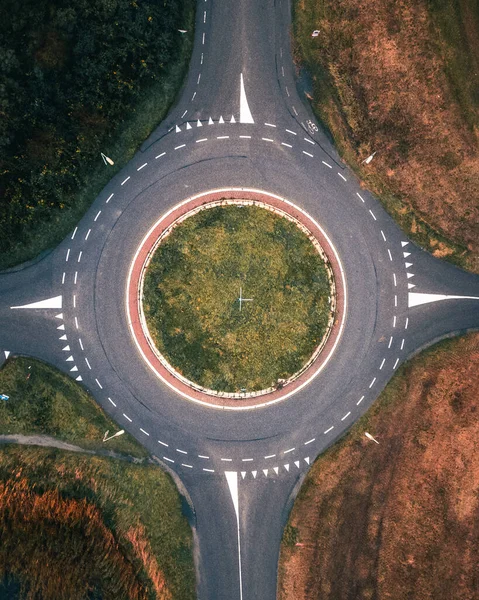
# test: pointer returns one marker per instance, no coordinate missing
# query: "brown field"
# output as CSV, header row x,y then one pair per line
x,y
398,520
402,78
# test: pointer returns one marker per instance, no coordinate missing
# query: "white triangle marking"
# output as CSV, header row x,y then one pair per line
x,y
199,123
55,302
276,470
66,349
286,466
406,254
409,275
178,129
415,299
404,244
408,265
254,473
7,353
79,378
64,337
221,120
59,316
61,327
296,462
69,359
307,459
243,474
410,286
233,120
232,479
75,368
265,471
188,126
210,121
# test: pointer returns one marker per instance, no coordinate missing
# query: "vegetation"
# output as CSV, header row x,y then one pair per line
x,y
88,528
44,401
401,79
78,78
191,292
399,519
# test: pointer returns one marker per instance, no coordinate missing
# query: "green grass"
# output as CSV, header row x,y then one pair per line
x,y
44,401
191,290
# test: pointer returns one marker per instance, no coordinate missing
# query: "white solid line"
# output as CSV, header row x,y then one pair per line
x,y
87,234
291,132
68,254
222,137
202,140
245,137
308,154
168,459
75,277
181,451
185,465
390,342
390,255
163,443
125,180
372,383
309,441
402,344
287,145
87,363
359,196
209,470
74,232
382,363
232,479
99,384
247,459
203,456
112,402
309,141
327,164
142,167
396,363
395,280
128,418
227,459
145,432
342,177
359,401
160,155
407,322
328,430
81,344
394,321
267,139
373,215
270,125
76,322
63,277
382,233
178,147
79,255
245,113
270,456
290,450
109,198
346,416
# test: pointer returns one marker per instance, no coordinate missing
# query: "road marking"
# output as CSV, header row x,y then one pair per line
x,y
143,165
75,277
291,132
308,154
402,344
407,323
178,147
63,277
295,111
127,418
199,78
306,459
79,255
168,459
394,321
181,451
267,139
145,432
342,177
76,323
160,155
87,363
289,450
390,255
74,304
373,215
390,342
406,254
87,234
359,401
346,416
209,470
287,145
382,363
202,140
416,299
245,137
69,359
112,402
276,470
74,232
222,137
296,462
66,349
210,121
61,327
99,384
201,59
163,443
75,368
187,466
327,164
309,141
270,456
203,42
109,198
372,383
125,180
68,255
204,16
359,196
193,97
309,441
265,471
254,473
227,459
232,480
382,233
245,113
247,459
55,302
395,280
287,91
270,125
203,456
396,364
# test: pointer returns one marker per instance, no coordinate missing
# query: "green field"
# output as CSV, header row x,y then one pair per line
x,y
191,291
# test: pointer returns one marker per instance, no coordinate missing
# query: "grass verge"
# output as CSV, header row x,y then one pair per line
x,y
399,519
401,80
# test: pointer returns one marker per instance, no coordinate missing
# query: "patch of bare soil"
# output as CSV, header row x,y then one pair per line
x,y
398,520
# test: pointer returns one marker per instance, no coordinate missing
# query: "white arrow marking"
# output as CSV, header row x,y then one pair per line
x,y
245,113
221,120
404,244
233,120
286,466
59,316
232,479
55,302
7,353
415,299
243,474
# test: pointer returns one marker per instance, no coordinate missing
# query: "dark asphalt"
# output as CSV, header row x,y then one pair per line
x,y
269,448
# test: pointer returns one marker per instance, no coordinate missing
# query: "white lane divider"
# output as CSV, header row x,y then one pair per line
x,y
245,113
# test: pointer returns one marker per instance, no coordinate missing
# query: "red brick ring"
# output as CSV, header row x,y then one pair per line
x,y
158,364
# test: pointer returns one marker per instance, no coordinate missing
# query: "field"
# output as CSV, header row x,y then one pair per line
x,y
399,519
78,79
75,526
191,292
402,79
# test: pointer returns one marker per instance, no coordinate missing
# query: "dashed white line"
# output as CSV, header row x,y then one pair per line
x,y
402,344
295,111
382,364
245,137
282,70
81,344
193,97
328,430
309,141
267,139
128,418
396,364
178,147
97,215
204,16
142,166
394,321
390,342
63,277
222,137
227,459
68,255
308,154
359,401
168,459
125,180
79,256
187,466
99,384
309,441
359,196
163,443
289,450
291,132
183,114
145,432
87,363
112,402
181,451
390,255
74,301
372,383
74,232
109,198
247,459
327,164
199,78
202,140
372,215
407,323
203,39
270,456
203,456
160,155
287,91
76,322
382,233
346,416
342,176
209,470
270,125
395,280
287,145
75,277
87,234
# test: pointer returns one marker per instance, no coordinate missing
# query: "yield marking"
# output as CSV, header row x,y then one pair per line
x,y
296,462
408,265
75,368
79,378
221,120
177,129
404,244
210,121
69,359
409,275
406,254
307,460
61,327
55,302
64,337
188,126
286,466
245,113
254,473
276,470
199,123
232,120
410,286
59,316
243,474
7,353
265,471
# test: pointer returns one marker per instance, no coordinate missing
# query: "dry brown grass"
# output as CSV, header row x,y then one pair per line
x,y
397,520
388,79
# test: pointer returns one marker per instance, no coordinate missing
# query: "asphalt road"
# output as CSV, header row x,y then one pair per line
x,y
265,451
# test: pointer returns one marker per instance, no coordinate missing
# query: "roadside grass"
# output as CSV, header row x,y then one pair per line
x,y
191,292
398,519
139,121
45,401
402,80
76,527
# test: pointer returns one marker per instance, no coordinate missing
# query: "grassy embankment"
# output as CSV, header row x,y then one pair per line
x,y
78,80
399,519
402,79
74,526
191,296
